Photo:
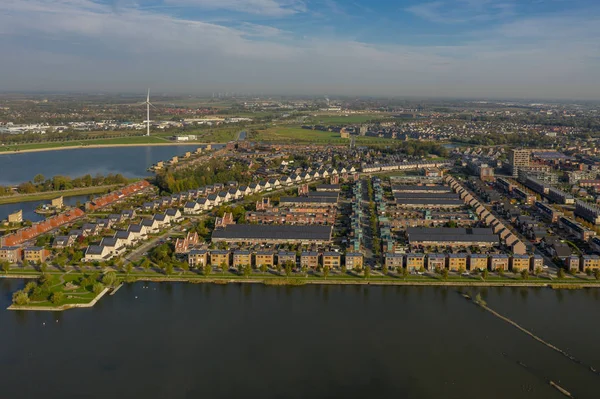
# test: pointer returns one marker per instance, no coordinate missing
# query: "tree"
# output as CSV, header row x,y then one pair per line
x,y
304,269
20,298
39,178
367,272
224,267
538,270
57,297
279,267
462,270
525,274
44,268
404,272
560,273
168,268
288,269
263,268
109,279
344,269
326,270
5,267
484,274
500,271
128,268
185,266
385,269
97,288
589,271
445,273
145,264
207,270
597,274
247,270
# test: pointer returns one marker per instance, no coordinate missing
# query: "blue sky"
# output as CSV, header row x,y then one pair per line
x,y
439,48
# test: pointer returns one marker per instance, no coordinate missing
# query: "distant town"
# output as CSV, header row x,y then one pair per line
x,y
312,192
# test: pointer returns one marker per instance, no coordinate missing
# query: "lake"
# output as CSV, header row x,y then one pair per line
x,y
175,340
129,161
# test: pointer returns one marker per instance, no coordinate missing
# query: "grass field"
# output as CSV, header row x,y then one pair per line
x,y
79,143
292,135
11,199
341,119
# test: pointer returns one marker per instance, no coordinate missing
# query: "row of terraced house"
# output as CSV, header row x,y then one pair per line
x,y
241,258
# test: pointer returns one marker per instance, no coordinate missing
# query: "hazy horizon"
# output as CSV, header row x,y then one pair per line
x,y
447,49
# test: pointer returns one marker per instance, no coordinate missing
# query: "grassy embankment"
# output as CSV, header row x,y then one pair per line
x,y
84,294
12,199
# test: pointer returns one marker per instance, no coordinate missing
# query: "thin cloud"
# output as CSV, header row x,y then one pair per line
x,y
274,8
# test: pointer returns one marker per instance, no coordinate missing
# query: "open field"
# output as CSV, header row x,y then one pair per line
x,y
342,119
133,140
291,135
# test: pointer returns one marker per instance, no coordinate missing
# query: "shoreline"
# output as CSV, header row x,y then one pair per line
x,y
299,282
79,147
18,198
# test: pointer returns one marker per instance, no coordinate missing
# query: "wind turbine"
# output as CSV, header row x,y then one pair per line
x,y
148,104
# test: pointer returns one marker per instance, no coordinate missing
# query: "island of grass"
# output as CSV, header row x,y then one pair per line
x,y
63,291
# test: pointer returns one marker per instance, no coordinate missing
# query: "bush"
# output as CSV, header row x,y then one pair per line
x,y
57,297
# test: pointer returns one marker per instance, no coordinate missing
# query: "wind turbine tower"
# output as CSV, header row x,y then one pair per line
x,y
148,104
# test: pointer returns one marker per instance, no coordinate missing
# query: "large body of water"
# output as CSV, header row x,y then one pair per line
x,y
129,161
209,341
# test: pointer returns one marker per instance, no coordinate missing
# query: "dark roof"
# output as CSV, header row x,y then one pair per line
x,y
122,234
328,187
273,232
431,201
323,194
426,195
94,250
109,242
400,187
171,212
449,234
309,200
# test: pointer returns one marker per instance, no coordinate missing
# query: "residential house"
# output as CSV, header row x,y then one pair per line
x,y
354,261
436,261
394,261
61,242
220,257
332,259
572,263
197,258
309,259
96,253
126,237
457,262
152,226
520,262
415,262
478,262
265,258
11,254
499,261
283,257
35,254
242,258
174,215
114,245
590,262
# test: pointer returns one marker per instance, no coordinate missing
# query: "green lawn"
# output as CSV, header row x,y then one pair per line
x,y
11,199
78,143
344,120
292,135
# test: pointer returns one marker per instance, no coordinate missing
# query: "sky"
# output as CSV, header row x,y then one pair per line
x,y
530,49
